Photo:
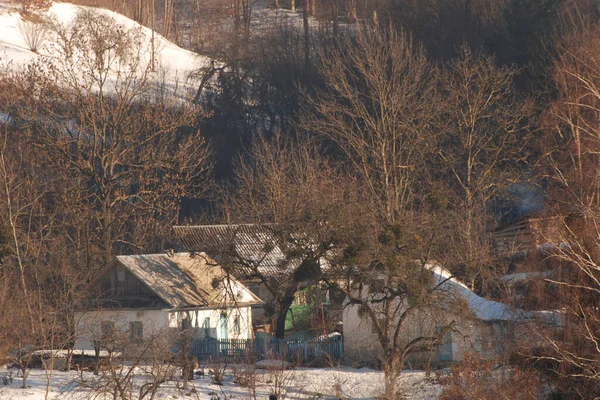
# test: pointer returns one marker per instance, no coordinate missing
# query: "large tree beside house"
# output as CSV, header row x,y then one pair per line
x,y
286,190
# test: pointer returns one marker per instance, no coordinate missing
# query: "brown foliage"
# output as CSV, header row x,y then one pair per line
x,y
475,378
35,5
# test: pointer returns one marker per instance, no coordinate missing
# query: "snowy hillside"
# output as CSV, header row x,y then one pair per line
x,y
173,65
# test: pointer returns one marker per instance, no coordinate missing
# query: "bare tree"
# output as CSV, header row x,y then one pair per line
x,y
283,189
378,107
134,157
482,149
571,149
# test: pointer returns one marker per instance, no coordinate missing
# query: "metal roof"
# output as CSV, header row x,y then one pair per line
x,y
182,279
244,248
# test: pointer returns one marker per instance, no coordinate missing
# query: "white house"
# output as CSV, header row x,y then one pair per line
x,y
143,295
488,328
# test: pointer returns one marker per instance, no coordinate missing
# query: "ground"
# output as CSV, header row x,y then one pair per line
x,y
299,383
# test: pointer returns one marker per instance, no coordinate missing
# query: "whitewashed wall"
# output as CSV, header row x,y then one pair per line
x,y
489,339
362,345
198,317
89,323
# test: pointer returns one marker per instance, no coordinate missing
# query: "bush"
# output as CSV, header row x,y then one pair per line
x,y
475,378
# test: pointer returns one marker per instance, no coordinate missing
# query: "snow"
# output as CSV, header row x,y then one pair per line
x,y
175,66
273,364
300,383
525,276
75,353
484,309
489,310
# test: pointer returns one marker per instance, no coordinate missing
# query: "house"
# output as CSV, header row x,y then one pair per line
x,y
142,295
530,233
489,328
253,254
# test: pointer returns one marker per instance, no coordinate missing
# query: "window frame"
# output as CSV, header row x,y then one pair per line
x,y
107,330
136,331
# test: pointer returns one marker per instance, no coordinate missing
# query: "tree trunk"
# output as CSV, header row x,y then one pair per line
x,y
353,13
247,19
280,323
24,372
306,36
336,24
392,367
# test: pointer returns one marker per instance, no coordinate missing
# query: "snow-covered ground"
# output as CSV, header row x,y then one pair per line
x,y
301,383
174,65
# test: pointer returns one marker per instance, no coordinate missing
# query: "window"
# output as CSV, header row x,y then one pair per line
x,y
236,325
186,324
255,289
108,329
500,337
206,327
136,333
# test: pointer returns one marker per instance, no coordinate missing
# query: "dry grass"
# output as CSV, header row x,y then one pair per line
x,y
34,33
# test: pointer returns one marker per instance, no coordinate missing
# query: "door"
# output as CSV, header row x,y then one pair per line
x,y
223,326
445,350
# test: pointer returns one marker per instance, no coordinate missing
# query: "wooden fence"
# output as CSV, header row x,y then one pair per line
x,y
331,348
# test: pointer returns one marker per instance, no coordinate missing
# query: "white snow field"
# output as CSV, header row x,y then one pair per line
x,y
174,66
301,383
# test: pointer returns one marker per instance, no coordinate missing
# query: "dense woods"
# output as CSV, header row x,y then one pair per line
x,y
381,136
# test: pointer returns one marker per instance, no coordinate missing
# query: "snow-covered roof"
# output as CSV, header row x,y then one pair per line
x,y
484,309
184,280
525,276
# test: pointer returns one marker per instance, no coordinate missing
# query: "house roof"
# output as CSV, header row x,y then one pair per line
x,y
484,309
245,247
185,280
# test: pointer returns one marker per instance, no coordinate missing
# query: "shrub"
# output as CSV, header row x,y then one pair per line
x,y
475,378
33,33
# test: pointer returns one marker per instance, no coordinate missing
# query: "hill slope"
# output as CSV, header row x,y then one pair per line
x,y
174,65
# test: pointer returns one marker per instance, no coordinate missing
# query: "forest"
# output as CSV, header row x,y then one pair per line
x,y
382,135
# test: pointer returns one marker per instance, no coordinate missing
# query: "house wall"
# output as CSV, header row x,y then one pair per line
x,y
489,339
197,319
527,234
261,291
89,324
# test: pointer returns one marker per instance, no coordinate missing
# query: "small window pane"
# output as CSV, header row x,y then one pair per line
x,y
136,333
236,325
206,327
108,329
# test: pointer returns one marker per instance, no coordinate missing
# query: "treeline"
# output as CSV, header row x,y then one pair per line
x,y
402,136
